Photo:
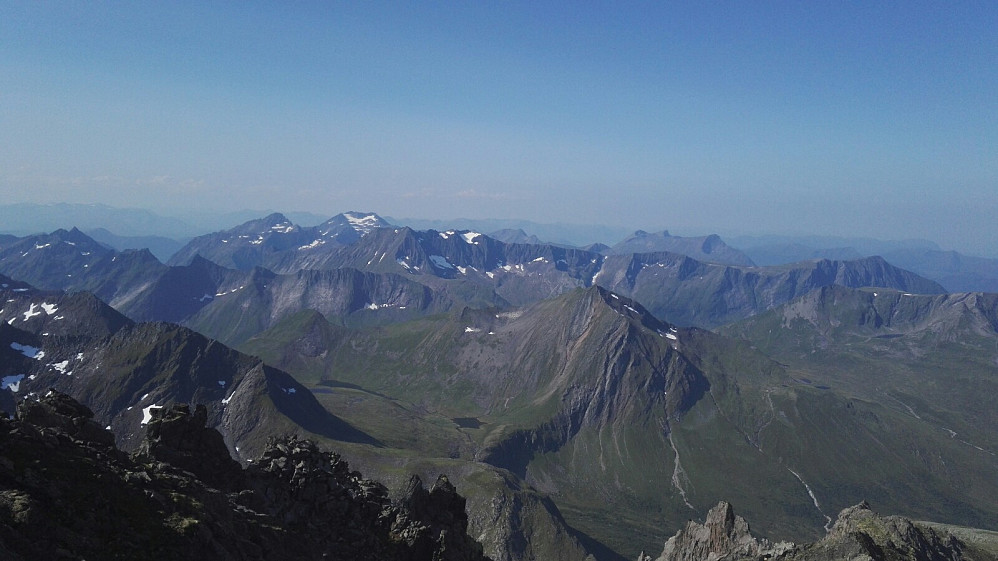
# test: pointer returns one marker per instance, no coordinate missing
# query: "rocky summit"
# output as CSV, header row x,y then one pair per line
x,y
858,534
722,536
66,492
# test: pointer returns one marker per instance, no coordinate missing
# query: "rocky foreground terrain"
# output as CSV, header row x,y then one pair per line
x,y
66,492
858,534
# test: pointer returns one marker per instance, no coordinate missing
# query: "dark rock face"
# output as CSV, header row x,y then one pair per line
x,y
309,492
182,440
431,521
66,492
858,534
63,414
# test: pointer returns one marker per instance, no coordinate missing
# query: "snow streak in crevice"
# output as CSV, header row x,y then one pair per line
x,y
679,475
828,523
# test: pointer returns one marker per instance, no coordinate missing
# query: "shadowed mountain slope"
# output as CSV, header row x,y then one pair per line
x,y
122,371
263,298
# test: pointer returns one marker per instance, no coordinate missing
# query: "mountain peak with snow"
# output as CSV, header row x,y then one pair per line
x,y
361,222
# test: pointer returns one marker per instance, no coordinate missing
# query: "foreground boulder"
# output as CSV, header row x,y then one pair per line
x,y
67,493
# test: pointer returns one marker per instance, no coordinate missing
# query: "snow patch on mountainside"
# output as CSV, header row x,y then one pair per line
x,y
13,383
313,245
440,262
31,312
362,223
147,413
28,350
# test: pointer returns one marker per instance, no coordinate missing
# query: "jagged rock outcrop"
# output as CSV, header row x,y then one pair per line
x,y
723,535
309,492
429,520
183,440
858,534
67,493
64,415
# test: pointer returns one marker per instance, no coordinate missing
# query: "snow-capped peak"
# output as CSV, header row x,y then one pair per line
x,y
363,222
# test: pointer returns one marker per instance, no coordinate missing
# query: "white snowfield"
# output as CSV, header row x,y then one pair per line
x,y
362,223
469,237
147,413
313,245
13,383
33,310
28,350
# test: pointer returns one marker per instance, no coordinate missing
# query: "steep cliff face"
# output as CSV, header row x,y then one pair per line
x,y
891,312
67,492
607,365
172,294
262,299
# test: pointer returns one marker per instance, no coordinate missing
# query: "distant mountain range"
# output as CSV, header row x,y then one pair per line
x,y
955,271
709,249
256,242
405,272
574,395
774,250
161,247
123,229
24,219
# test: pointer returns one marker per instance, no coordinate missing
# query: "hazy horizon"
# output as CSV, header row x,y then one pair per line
x,y
785,118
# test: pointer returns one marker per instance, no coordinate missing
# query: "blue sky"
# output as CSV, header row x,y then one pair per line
x,y
848,118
